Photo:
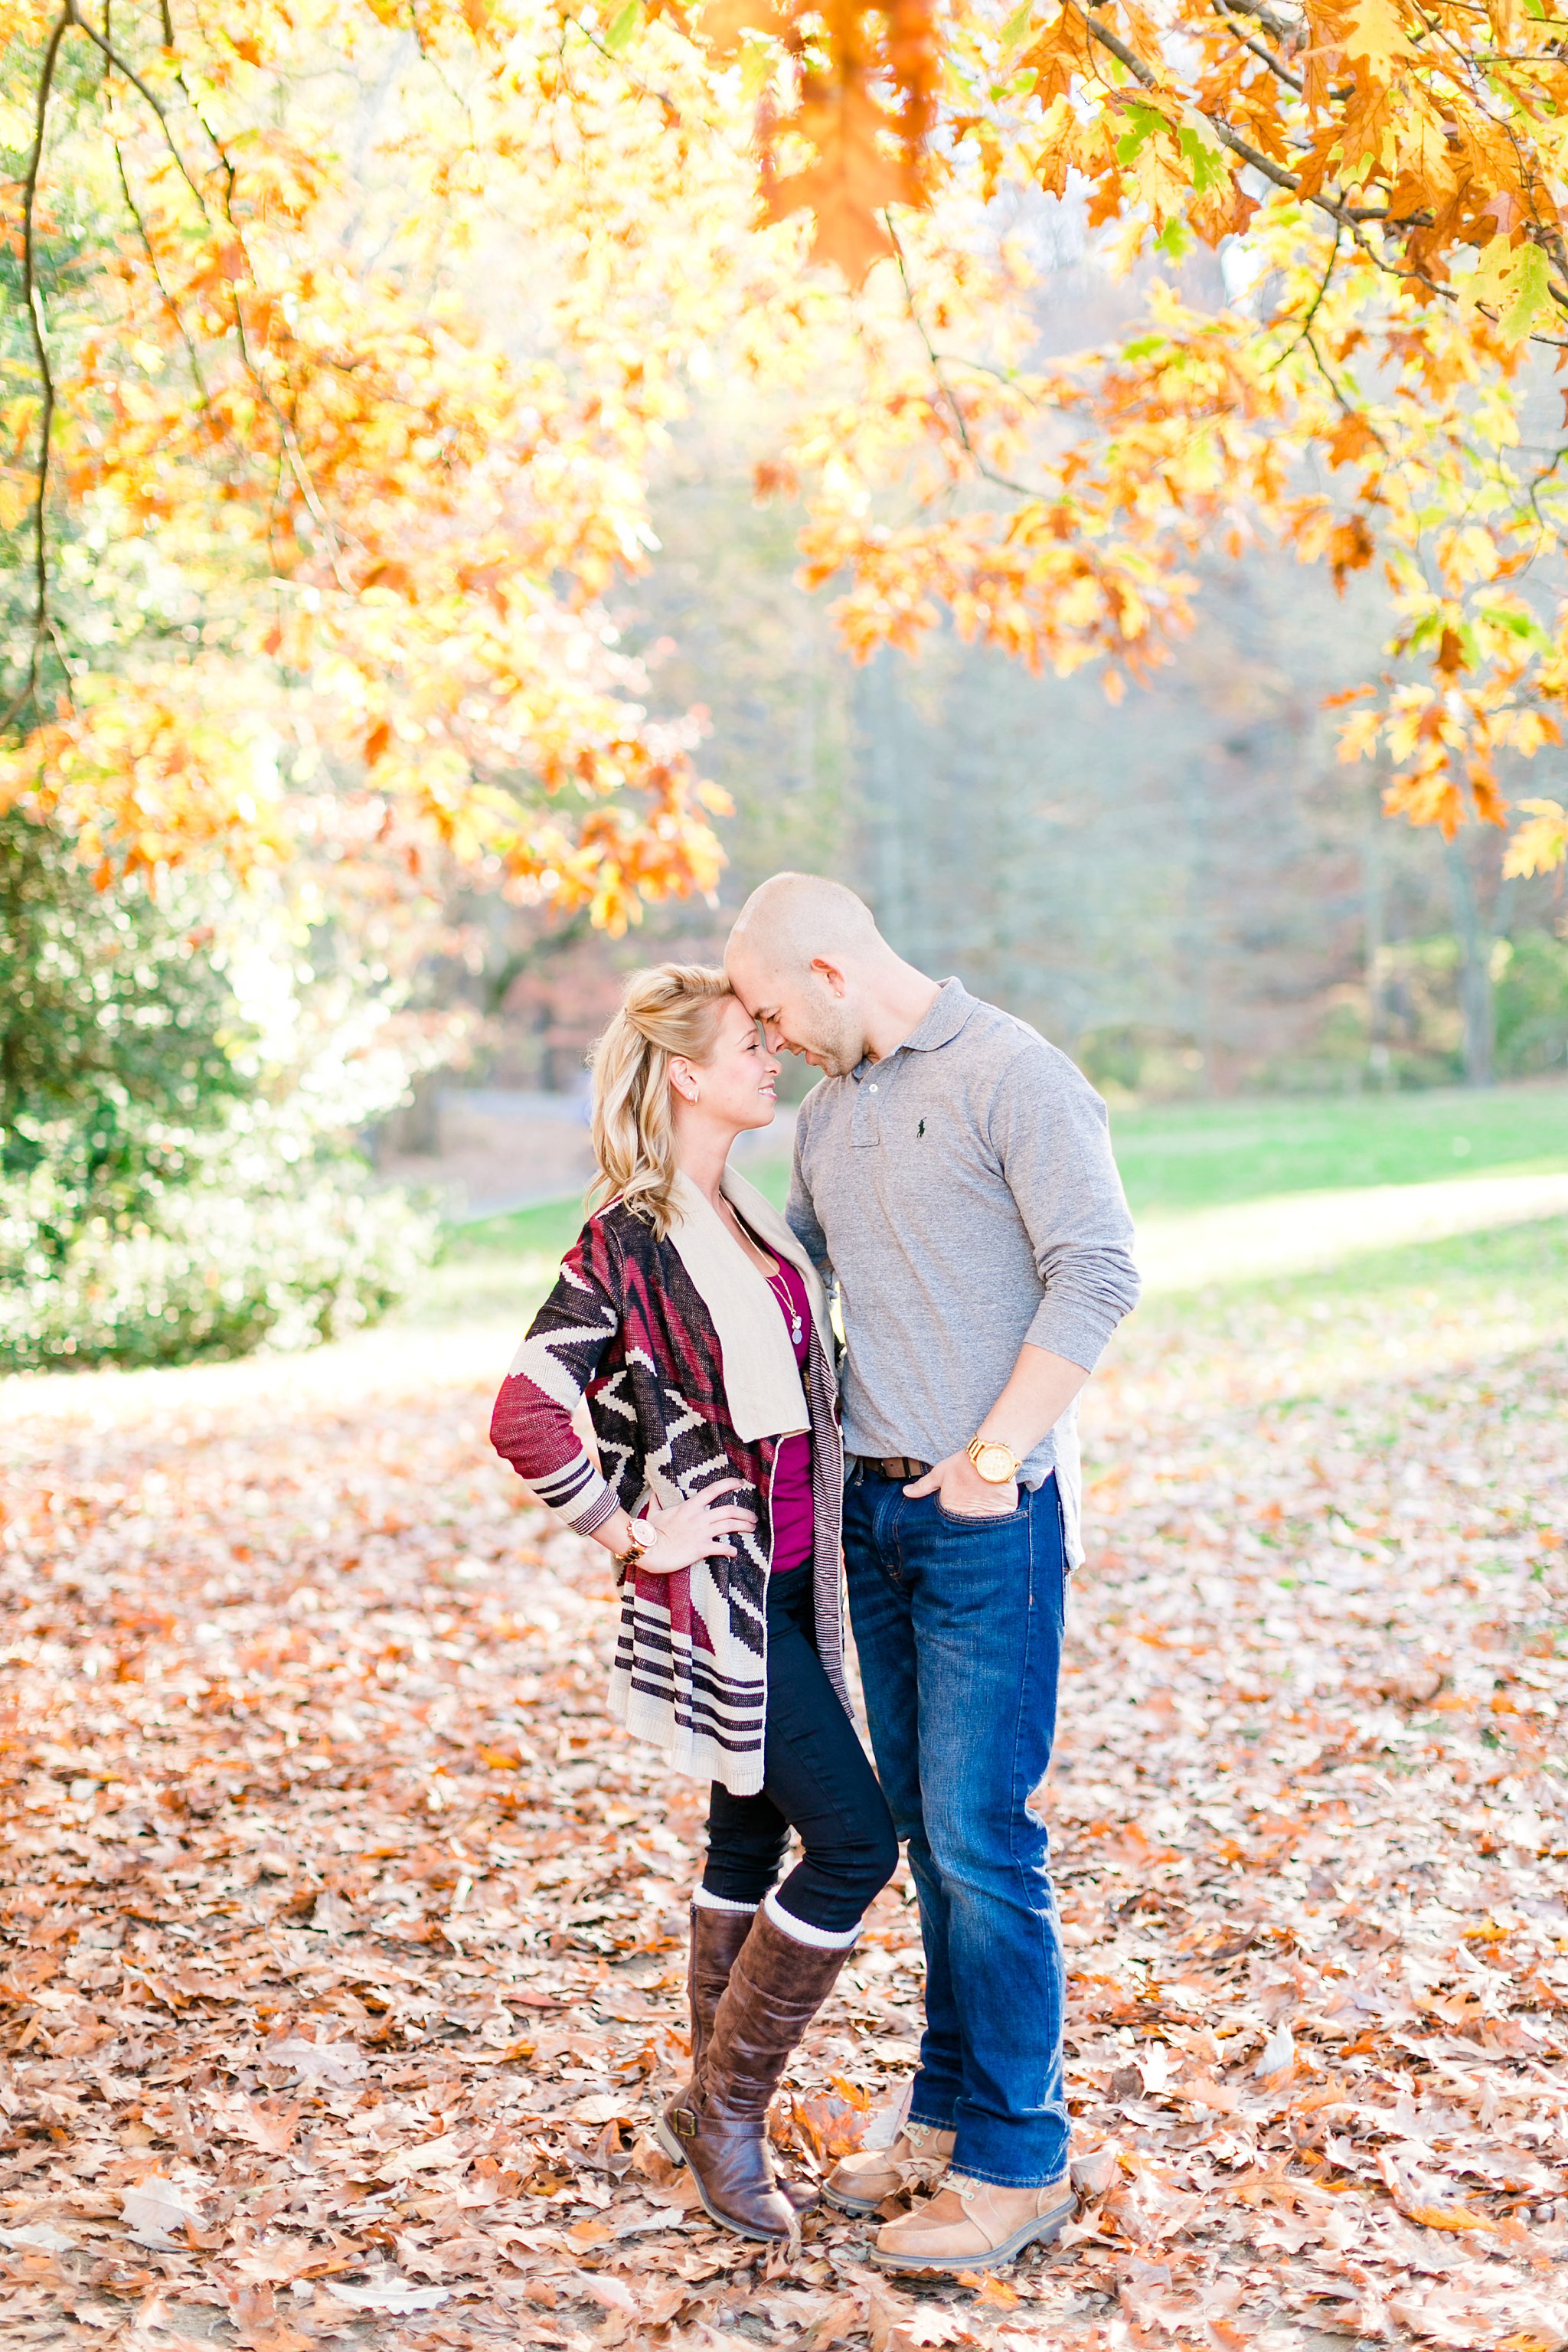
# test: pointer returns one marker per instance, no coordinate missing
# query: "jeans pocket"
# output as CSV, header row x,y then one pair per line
x,y
980,1519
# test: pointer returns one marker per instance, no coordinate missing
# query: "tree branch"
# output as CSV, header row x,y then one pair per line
x,y
113,58
643,89
34,305
1313,307
989,473
1280,27
1145,75
170,304
1347,405
290,438
1356,219
1260,48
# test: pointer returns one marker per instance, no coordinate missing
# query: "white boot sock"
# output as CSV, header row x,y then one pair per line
x,y
803,1932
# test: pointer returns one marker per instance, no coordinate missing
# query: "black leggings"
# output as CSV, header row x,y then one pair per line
x,y
816,1779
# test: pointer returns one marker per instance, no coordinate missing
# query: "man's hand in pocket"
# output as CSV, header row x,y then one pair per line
x,y
959,1488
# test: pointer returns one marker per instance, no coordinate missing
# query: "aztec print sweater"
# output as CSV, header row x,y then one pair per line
x,y
627,1334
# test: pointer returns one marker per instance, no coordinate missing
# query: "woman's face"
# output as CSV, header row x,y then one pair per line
x,y
734,1086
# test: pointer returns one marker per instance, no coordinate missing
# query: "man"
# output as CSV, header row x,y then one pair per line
x,y
953,1175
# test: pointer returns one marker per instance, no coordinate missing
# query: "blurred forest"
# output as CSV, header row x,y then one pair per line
x,y
1186,889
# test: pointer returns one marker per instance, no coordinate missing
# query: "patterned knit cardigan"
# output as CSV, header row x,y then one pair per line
x,y
626,1332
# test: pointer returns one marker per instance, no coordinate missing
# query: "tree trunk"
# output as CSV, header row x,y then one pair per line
x,y
889,789
1374,926
1475,1001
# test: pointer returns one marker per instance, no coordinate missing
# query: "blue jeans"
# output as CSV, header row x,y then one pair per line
x,y
958,1625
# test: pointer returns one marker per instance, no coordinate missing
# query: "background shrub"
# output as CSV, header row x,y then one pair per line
x,y
179,1085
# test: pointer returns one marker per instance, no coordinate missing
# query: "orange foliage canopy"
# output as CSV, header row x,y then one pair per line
x,y
1385,179
343,436
353,327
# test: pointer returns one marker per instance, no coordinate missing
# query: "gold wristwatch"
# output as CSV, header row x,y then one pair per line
x,y
624,1562
995,1463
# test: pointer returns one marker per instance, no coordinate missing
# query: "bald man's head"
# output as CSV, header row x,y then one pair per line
x,y
792,919
802,955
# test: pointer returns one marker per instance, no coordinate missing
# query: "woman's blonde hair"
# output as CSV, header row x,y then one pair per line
x,y
673,1009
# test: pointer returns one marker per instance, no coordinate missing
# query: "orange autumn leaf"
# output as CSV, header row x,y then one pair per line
x,y
1445,2217
991,2292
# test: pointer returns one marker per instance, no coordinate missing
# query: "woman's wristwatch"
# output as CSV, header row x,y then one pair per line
x,y
626,1560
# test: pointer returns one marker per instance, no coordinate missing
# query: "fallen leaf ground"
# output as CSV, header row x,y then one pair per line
x,y
341,1948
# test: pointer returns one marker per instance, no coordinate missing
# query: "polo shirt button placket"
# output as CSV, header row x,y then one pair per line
x,y
865,1126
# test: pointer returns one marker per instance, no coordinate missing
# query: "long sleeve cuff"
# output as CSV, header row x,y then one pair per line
x,y
1079,1311
576,1492
595,1513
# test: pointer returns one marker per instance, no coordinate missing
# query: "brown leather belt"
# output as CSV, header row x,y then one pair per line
x,y
900,1466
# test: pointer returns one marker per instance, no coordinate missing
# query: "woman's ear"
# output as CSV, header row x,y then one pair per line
x,y
683,1077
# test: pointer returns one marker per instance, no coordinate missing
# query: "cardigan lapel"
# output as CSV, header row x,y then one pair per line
x,y
763,1388
782,1240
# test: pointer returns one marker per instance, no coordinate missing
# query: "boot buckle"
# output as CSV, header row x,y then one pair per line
x,y
685,2122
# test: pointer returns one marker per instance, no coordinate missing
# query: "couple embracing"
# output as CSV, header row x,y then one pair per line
x,y
678,1399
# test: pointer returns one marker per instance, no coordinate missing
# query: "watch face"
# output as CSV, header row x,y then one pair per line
x,y
994,1465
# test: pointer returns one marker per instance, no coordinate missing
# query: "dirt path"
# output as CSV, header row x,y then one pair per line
x,y
342,1940
1292,1232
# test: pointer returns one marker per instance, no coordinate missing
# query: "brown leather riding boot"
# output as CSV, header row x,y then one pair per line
x,y
720,2127
716,1940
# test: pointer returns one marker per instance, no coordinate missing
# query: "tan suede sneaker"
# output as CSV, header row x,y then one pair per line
x,y
973,2225
917,2159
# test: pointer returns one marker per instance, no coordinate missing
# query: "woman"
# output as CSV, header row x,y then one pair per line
x,y
690,1325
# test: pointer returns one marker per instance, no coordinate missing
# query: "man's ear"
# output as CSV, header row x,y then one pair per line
x,y
831,976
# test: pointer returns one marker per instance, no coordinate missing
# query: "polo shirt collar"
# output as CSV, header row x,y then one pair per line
x,y
952,1008
947,1016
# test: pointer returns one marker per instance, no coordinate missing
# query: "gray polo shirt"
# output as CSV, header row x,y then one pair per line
x,y
963,1195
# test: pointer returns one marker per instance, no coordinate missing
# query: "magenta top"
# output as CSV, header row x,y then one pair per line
x,y
794,1511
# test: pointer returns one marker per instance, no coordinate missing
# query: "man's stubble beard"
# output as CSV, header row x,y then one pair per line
x,y
838,1044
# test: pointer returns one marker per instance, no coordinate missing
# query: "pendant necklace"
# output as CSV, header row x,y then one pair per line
x,y
791,1311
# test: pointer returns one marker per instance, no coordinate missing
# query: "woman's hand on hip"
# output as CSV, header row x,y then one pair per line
x,y
698,1529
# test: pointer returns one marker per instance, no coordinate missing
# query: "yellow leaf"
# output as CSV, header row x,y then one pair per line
x,y
1532,294
1374,33
1540,844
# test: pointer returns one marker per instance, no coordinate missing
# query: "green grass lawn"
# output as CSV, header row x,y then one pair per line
x,y
1174,1157
540,1234
1204,1155
1465,1299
